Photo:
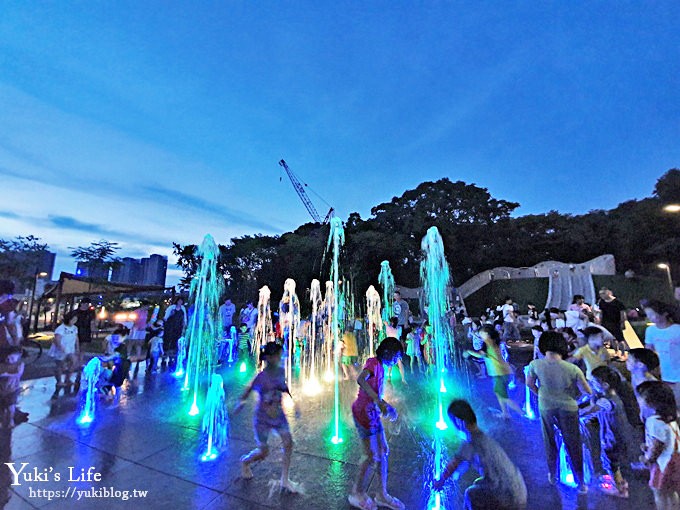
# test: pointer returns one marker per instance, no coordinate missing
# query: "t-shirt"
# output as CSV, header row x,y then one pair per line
x,y
270,384
156,345
84,324
69,337
656,428
557,379
227,312
365,411
611,312
243,340
591,358
666,343
508,312
614,429
496,468
350,341
494,361
400,309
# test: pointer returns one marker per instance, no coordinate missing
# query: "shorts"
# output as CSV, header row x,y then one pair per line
x,y
262,431
365,433
500,385
349,360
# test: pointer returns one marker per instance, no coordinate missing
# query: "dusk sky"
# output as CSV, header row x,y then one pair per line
x,y
152,122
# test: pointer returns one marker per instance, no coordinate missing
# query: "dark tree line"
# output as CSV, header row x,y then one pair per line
x,y
478,231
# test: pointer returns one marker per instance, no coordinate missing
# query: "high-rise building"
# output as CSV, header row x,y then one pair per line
x,y
154,270
92,270
128,271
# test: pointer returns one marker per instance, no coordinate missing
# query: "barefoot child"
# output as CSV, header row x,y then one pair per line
x,y
366,411
498,369
662,442
270,385
501,485
11,370
65,352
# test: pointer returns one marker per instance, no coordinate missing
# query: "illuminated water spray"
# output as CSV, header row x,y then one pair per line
x,y
91,374
336,239
263,329
436,277
289,315
181,357
312,382
233,339
205,323
329,309
373,315
215,424
386,280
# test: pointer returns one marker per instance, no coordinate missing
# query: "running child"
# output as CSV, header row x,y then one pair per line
x,y
367,410
270,385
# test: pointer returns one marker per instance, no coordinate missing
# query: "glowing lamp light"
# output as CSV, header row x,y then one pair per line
x,y
662,266
672,208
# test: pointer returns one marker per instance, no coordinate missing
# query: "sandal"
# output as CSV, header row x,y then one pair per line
x,y
362,503
390,502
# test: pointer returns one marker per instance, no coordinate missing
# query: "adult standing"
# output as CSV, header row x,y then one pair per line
x,y
663,337
556,405
510,331
175,322
613,318
227,311
86,321
250,317
10,332
402,313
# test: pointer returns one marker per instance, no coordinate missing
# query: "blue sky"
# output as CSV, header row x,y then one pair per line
x,y
152,122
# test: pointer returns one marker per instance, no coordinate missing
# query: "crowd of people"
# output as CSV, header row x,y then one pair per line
x,y
586,378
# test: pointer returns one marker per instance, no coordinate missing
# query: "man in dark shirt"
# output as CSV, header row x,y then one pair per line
x,y
613,318
85,322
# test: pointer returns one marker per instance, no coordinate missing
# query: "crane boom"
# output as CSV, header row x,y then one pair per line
x,y
300,190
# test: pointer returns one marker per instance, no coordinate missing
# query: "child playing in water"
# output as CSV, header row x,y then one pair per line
x,y
270,385
349,353
594,354
662,442
155,351
65,351
366,410
501,485
498,369
615,431
12,370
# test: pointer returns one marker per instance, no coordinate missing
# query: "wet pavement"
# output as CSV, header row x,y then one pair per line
x,y
150,444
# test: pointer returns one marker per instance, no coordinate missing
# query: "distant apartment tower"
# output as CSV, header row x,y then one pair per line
x,y
154,270
92,270
128,271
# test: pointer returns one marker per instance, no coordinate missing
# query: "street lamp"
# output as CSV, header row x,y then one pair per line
x,y
667,268
38,274
672,208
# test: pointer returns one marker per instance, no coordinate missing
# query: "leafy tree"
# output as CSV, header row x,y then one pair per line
x,y
19,258
667,188
99,255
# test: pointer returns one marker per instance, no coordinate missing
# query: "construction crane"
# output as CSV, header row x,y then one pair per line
x,y
300,190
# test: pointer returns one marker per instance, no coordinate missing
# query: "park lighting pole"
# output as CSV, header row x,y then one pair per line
x,y
672,208
38,274
667,268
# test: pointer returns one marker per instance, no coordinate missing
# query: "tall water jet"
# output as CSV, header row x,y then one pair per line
x,y
204,323
181,357
336,239
329,311
215,424
386,280
263,329
435,277
374,320
289,315
312,382
91,374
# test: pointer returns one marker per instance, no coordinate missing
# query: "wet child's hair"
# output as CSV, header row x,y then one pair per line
x,y
389,348
121,330
607,375
647,357
552,341
270,349
592,331
659,396
394,322
243,324
462,410
493,333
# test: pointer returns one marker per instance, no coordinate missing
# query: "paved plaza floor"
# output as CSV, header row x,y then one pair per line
x,y
150,444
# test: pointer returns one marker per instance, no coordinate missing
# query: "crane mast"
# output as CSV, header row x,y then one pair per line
x,y
300,190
